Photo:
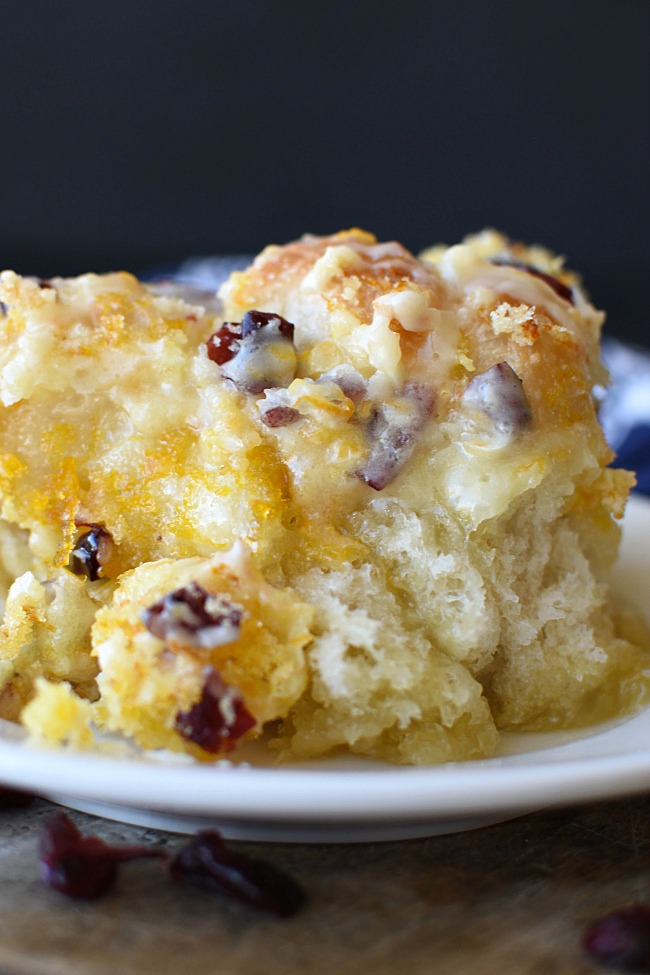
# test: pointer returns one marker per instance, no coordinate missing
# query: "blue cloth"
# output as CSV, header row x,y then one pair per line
x,y
634,454
625,410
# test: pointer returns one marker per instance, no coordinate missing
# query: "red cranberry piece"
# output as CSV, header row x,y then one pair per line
x,y
280,416
90,551
621,940
82,866
206,862
41,282
218,719
558,287
194,616
394,434
253,321
224,344
13,799
247,352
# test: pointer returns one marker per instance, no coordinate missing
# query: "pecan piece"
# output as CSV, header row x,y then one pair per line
x,y
499,394
393,431
558,286
280,416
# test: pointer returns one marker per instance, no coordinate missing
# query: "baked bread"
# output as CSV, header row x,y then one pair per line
x,y
360,502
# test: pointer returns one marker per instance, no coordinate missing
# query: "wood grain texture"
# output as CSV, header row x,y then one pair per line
x,y
512,898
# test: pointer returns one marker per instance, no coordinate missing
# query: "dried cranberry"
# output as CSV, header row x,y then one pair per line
x,y
218,719
206,862
82,866
89,552
280,416
257,353
13,799
393,434
194,616
621,940
224,344
253,321
558,287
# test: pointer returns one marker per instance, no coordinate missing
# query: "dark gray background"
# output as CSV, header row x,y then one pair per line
x,y
137,133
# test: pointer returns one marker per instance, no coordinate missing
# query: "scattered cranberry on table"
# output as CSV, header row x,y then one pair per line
x,y
86,867
207,862
621,940
82,866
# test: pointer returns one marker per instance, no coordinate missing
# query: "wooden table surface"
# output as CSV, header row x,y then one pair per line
x,y
510,899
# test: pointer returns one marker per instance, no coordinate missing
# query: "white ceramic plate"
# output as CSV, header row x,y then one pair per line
x,y
351,799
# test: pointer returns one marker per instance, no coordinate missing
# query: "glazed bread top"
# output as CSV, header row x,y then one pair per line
x,y
404,451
